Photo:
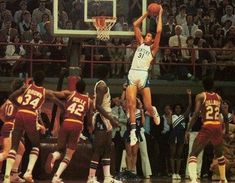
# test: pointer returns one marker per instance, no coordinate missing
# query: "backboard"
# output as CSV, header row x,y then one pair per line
x,y
80,12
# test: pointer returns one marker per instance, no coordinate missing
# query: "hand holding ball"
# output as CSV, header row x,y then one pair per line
x,y
154,9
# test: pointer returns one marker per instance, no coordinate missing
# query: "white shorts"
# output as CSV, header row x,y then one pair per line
x,y
138,78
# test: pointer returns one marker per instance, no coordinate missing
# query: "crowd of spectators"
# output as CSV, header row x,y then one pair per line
x,y
186,24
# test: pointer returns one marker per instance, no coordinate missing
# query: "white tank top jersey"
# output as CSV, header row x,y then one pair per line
x,y
106,104
142,58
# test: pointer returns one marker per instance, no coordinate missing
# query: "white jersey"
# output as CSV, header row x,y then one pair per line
x,y
142,58
106,104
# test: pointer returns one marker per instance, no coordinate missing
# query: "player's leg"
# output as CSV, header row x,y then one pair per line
x,y
128,155
61,146
172,159
131,93
179,151
15,169
33,135
147,100
198,145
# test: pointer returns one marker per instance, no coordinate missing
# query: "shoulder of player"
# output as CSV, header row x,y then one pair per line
x,y
102,86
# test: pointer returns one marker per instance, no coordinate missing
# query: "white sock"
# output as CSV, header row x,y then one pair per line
x,y
56,155
10,161
1,157
192,167
32,159
62,167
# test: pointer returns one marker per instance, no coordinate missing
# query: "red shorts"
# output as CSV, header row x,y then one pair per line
x,y
7,129
210,133
69,135
26,121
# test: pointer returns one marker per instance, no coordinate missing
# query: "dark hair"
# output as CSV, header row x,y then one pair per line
x,y
175,105
208,84
102,71
152,33
16,84
38,77
80,86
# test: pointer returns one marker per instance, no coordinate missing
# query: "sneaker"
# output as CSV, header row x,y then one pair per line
x,y
92,180
193,181
133,138
174,176
49,164
28,177
111,180
223,181
178,177
57,180
15,178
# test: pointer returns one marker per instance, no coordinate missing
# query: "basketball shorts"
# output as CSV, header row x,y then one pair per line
x,y
100,122
7,129
69,135
139,78
210,133
177,136
26,121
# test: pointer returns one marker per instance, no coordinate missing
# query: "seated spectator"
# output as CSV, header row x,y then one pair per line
x,y
24,25
181,17
168,30
217,39
187,54
121,24
41,25
228,15
14,52
18,14
37,50
47,36
7,31
3,12
27,36
198,18
227,24
206,27
38,12
190,27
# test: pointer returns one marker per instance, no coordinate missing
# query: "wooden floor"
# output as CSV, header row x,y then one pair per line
x,y
143,181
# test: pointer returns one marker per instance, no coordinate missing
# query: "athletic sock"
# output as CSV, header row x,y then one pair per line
x,y
10,161
106,167
93,168
221,164
17,163
1,157
63,165
192,167
32,159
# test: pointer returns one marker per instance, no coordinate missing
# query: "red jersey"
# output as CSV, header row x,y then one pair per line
x,y
33,98
211,107
9,111
76,107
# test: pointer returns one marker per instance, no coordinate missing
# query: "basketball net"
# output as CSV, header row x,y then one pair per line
x,y
103,25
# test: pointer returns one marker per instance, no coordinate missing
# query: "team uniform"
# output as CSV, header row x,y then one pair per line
x,y
139,125
178,129
9,111
211,130
76,107
138,74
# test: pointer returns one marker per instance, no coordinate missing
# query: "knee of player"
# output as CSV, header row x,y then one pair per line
x,y
131,106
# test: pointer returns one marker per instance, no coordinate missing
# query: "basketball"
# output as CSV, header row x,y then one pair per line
x,y
153,9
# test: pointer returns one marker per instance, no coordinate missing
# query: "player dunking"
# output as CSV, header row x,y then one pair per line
x,y
76,107
7,114
33,97
103,123
138,73
209,104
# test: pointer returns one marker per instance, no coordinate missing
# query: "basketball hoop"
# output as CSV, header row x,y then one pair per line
x,y
103,25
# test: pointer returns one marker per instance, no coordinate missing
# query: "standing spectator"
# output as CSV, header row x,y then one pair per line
x,y
227,25
41,25
38,12
24,25
206,27
76,13
18,14
168,30
166,120
198,17
3,11
7,31
229,15
37,50
177,136
217,38
27,36
190,27
181,17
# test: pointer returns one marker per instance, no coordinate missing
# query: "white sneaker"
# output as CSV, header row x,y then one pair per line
x,y
15,178
174,176
111,180
194,181
133,138
57,180
28,177
92,180
178,177
223,181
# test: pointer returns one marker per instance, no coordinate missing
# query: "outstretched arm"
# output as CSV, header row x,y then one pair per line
x,y
136,26
49,95
186,113
157,38
62,94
